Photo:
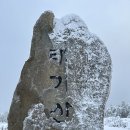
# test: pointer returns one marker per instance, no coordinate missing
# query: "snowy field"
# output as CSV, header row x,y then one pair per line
x,y
108,122
115,128
3,126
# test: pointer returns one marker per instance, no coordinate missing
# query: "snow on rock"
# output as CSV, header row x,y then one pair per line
x,y
88,70
37,119
70,26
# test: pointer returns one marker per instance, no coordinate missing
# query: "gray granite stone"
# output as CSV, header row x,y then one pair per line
x,y
65,83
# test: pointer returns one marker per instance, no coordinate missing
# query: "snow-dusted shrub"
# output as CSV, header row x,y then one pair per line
x,y
125,110
122,110
111,111
115,122
3,117
128,115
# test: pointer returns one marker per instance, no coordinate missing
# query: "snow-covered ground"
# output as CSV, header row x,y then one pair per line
x,y
108,122
3,126
115,128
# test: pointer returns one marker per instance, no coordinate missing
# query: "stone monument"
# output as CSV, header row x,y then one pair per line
x,y
65,83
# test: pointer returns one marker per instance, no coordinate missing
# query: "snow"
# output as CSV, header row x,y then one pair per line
x,y
119,123
88,70
36,116
3,126
70,26
116,122
106,127
114,128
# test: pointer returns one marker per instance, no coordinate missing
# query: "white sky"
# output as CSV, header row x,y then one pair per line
x,y
109,19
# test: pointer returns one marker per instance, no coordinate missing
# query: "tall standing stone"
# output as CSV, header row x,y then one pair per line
x,y
65,83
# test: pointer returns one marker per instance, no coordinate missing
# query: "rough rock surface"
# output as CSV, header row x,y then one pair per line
x,y
65,83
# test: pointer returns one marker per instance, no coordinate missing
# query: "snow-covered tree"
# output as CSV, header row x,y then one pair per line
x,y
122,110
3,117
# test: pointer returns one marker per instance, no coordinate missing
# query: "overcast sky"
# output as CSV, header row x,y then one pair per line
x,y
109,19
